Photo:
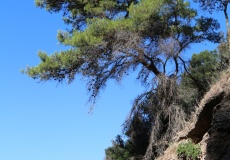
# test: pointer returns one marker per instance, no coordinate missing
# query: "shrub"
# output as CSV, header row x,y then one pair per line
x,y
189,151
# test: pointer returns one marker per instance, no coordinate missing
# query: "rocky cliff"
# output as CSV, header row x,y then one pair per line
x,y
210,126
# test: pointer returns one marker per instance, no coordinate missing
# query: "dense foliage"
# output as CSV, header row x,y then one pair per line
x,y
119,150
203,67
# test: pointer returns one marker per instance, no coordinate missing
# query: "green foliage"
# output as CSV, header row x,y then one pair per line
x,y
204,69
77,12
66,61
204,66
111,38
118,151
202,72
189,151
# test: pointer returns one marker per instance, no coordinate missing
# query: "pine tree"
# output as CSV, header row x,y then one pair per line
x,y
111,38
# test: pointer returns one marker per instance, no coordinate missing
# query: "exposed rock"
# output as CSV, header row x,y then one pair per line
x,y
218,144
204,120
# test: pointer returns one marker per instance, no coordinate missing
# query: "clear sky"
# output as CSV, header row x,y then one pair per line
x,y
50,121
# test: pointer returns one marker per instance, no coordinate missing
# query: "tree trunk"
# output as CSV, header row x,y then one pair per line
x,y
227,25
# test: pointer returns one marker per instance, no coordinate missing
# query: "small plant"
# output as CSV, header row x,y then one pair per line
x,y
189,151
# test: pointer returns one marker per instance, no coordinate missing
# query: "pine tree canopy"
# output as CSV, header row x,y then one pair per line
x,y
110,38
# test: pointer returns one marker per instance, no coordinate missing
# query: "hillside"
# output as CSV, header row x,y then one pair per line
x,y
210,126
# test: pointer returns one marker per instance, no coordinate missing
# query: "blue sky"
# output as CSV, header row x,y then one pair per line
x,y
50,121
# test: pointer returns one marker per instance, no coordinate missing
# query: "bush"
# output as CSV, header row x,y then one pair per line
x,y
189,151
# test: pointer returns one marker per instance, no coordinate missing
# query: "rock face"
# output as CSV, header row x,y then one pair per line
x,y
205,118
218,144
213,125
214,121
